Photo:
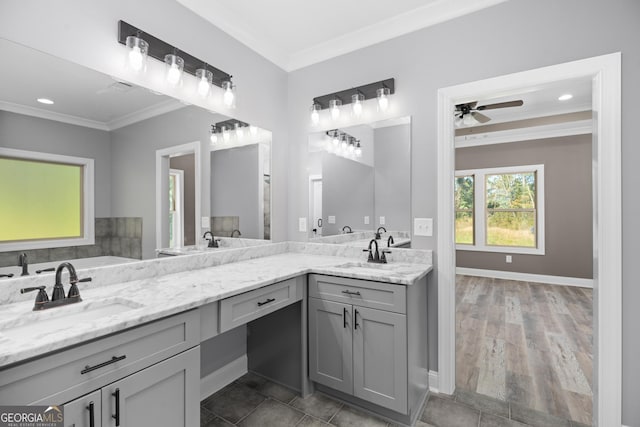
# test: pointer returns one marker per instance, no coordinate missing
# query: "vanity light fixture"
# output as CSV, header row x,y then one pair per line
x,y
205,77
315,113
356,96
334,106
341,143
356,104
137,55
140,45
383,98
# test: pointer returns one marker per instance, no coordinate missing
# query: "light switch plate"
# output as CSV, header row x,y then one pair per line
x,y
332,219
382,220
205,222
423,226
302,224
366,220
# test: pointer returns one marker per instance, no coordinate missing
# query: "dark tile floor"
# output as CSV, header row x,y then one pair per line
x,y
255,401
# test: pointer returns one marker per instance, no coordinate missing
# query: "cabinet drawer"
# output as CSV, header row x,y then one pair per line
x,y
243,308
364,293
79,370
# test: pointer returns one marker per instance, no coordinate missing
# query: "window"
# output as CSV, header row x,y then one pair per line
x,y
509,213
464,210
47,200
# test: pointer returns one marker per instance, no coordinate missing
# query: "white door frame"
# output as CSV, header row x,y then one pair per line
x,y
605,72
162,166
180,197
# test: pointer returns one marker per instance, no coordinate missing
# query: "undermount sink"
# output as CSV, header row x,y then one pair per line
x,y
366,265
39,323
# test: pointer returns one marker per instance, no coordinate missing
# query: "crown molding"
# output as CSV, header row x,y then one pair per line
x,y
407,22
51,115
146,113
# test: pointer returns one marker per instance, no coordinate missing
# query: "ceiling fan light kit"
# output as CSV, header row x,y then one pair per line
x,y
468,114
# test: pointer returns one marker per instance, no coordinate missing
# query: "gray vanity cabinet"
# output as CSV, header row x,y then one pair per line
x,y
356,349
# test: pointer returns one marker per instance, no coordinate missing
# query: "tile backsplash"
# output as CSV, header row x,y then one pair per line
x,y
120,237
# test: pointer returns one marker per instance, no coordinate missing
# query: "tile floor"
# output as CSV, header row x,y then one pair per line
x,y
255,401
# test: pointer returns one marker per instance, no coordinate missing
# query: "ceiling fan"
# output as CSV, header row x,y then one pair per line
x,y
469,114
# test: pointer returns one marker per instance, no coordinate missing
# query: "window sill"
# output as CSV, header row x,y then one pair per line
x,y
502,249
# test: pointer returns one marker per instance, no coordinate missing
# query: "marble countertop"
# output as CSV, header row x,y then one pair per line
x,y
157,297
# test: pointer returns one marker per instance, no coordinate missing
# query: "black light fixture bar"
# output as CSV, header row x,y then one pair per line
x,y
230,124
332,132
158,49
368,91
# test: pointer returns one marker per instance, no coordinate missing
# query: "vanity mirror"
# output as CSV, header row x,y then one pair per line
x,y
142,147
360,180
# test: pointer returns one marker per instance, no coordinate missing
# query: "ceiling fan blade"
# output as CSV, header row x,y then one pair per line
x,y
517,103
480,117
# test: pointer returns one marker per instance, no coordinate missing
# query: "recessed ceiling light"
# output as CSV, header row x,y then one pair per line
x,y
565,97
45,101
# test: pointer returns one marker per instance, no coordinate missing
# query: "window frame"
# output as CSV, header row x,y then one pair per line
x,y
88,190
481,215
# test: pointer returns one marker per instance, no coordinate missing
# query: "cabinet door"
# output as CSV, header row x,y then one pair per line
x,y
330,344
166,394
380,357
84,411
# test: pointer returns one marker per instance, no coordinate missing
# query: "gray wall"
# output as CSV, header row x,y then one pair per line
x,y
186,164
47,136
568,204
347,193
514,36
235,187
392,158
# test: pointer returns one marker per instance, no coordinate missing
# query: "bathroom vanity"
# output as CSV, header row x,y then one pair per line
x,y
140,347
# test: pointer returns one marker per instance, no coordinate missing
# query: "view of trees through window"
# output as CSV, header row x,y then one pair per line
x,y
511,209
463,200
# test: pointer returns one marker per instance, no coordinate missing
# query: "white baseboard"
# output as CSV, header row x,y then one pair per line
x,y
526,277
433,381
223,376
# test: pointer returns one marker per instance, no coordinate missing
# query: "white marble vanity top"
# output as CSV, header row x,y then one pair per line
x,y
165,294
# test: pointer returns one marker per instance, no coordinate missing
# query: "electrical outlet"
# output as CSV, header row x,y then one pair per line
x,y
508,259
366,220
423,226
332,219
205,222
382,220
302,225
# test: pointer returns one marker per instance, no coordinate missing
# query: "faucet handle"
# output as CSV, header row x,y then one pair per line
x,y
74,292
42,296
383,257
370,259
45,270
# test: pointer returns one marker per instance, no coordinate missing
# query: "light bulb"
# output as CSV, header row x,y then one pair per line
x,y
383,98
225,134
205,77
351,148
239,131
343,145
173,75
358,150
315,114
228,97
336,140
174,64
356,104
253,130
203,88
214,138
469,120
135,58
334,106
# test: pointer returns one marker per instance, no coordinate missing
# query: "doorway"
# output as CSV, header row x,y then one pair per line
x,y
604,73
315,190
178,180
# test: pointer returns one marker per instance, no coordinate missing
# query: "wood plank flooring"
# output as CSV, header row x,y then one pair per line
x,y
526,343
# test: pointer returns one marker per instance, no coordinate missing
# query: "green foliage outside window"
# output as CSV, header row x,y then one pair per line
x,y
463,202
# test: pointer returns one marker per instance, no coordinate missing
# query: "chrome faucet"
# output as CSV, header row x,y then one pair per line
x,y
213,242
24,264
390,241
345,227
233,232
375,256
378,232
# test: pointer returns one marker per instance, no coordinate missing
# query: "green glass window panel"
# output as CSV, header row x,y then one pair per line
x,y
463,197
40,200
464,228
511,191
511,228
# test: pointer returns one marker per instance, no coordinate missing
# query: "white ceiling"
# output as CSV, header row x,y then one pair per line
x,y
293,33
82,96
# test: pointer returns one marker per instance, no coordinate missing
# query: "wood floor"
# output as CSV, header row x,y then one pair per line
x,y
526,343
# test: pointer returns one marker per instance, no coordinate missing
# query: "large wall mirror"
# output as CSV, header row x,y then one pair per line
x,y
360,180
158,179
